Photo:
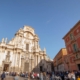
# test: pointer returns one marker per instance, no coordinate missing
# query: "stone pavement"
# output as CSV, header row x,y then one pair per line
x,y
12,78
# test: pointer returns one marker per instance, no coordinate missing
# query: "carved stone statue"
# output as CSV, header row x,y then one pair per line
x,y
3,40
6,40
8,57
44,51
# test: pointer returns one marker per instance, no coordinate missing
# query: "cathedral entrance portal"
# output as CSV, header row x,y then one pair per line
x,y
6,67
26,66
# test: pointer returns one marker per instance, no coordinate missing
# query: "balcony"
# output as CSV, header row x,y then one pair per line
x,y
77,51
60,61
77,56
66,60
73,40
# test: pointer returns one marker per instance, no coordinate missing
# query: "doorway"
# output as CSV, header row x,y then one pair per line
x,y
26,66
6,67
78,66
41,68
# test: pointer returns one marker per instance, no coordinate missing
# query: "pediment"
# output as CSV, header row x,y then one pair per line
x,y
28,29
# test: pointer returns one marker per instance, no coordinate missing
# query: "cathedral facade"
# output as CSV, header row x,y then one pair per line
x,y
23,53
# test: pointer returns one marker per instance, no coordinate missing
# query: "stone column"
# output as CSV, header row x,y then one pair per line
x,y
35,61
1,59
35,45
18,58
20,62
16,65
32,62
37,64
14,60
38,61
29,65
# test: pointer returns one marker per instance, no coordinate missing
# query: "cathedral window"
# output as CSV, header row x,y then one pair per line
x,y
75,47
8,53
71,36
27,46
8,56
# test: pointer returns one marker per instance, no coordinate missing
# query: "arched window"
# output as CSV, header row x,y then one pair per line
x,y
27,46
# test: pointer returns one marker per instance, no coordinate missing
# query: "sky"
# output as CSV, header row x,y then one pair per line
x,y
51,20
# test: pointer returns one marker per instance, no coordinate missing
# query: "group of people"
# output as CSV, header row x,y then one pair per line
x,y
3,76
67,75
44,75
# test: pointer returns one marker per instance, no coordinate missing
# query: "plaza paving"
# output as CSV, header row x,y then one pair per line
x,y
12,78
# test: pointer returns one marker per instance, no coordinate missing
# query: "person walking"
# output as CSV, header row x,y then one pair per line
x,y
44,76
41,76
73,76
16,77
3,76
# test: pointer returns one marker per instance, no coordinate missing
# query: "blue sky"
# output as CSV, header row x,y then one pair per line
x,y
51,19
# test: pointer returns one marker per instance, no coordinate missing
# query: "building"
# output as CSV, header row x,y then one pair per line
x,y
50,66
59,60
22,53
72,42
47,65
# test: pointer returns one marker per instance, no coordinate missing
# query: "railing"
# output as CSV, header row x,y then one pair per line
x,y
73,40
77,56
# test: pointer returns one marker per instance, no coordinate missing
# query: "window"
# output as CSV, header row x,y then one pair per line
x,y
77,30
69,49
71,36
75,47
8,53
27,46
72,59
76,55
8,56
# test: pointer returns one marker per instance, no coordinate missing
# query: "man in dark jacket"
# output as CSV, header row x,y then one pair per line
x,y
3,76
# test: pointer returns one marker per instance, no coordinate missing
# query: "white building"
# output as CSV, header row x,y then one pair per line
x,y
22,53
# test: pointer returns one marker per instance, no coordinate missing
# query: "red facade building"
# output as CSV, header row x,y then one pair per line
x,y
72,42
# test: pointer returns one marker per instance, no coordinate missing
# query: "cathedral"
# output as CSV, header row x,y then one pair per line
x,y
23,53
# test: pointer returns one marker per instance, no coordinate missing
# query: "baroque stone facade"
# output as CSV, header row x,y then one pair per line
x,y
23,52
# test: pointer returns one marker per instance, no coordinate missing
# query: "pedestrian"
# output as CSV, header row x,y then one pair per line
x,y
29,75
41,76
3,76
69,76
38,75
44,76
73,76
16,77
